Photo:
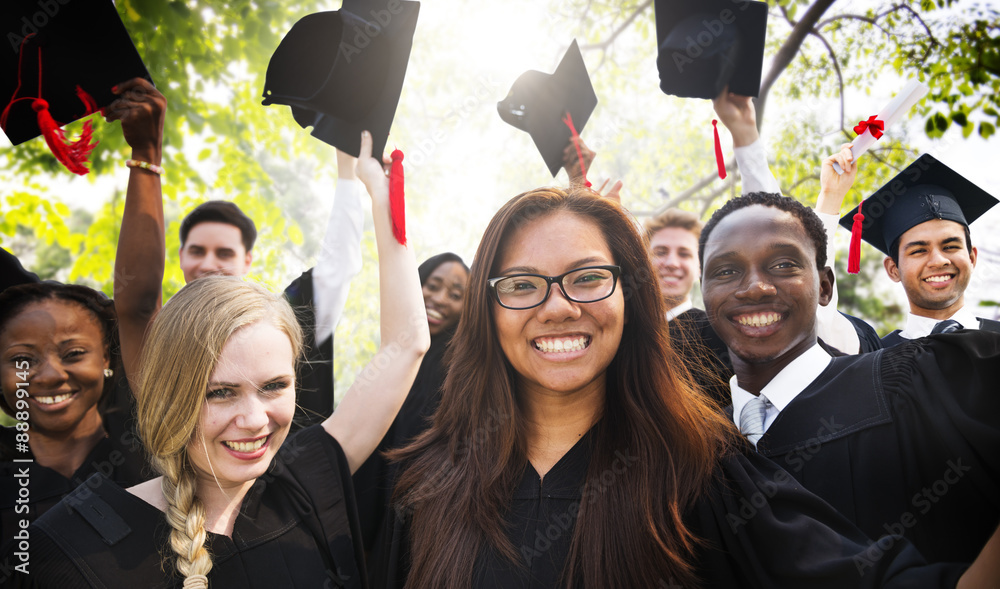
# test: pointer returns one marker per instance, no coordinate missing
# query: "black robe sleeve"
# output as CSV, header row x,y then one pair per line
x,y
763,529
314,376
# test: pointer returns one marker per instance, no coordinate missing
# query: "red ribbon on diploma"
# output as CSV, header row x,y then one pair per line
x,y
873,125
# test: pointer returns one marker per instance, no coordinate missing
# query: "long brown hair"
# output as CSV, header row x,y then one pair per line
x,y
459,476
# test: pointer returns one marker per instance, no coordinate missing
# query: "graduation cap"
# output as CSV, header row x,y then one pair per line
x,y
538,103
342,72
60,61
925,190
703,45
12,273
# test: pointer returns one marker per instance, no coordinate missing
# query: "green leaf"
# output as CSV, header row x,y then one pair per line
x,y
941,122
986,130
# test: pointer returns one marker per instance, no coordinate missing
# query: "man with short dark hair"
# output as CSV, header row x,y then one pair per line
x,y
211,238
920,221
904,441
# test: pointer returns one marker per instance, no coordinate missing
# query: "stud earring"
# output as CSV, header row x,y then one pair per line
x,y
108,373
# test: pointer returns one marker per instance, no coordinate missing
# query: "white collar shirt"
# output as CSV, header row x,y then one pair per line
x,y
917,326
785,386
686,305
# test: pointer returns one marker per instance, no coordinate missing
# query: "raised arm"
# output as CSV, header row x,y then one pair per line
x,y
833,327
368,408
139,260
339,259
737,113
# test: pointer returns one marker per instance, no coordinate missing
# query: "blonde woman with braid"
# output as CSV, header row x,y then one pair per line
x,y
237,504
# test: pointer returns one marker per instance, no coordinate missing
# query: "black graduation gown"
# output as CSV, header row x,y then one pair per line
x,y
119,456
297,528
867,337
703,352
894,339
761,530
905,440
373,481
314,376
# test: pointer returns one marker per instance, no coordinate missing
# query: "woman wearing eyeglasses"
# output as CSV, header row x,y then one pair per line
x,y
570,449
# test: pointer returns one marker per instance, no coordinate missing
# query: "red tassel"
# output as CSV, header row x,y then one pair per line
x,y
854,253
718,151
397,205
73,155
568,119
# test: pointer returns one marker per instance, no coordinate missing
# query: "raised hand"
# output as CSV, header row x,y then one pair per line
x,y
738,114
142,109
833,187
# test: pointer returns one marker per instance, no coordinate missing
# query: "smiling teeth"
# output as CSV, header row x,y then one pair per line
x,y
434,314
759,320
562,345
246,446
937,279
53,400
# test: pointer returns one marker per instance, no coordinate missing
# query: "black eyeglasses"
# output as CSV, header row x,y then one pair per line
x,y
582,285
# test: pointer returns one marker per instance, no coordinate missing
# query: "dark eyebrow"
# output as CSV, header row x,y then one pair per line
x,y
532,270
916,243
778,246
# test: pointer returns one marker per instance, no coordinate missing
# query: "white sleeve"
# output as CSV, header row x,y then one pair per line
x,y
752,162
832,327
340,257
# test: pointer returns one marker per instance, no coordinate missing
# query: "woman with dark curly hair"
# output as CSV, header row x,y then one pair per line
x,y
570,448
58,356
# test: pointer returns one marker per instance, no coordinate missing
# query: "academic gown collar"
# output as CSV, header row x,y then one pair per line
x,y
844,399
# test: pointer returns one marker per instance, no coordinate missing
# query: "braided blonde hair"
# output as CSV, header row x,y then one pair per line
x,y
178,358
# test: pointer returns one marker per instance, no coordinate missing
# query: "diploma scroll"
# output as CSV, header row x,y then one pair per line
x,y
899,105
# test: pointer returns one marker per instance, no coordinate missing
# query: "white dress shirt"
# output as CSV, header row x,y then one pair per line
x,y
340,258
785,386
686,305
831,327
917,326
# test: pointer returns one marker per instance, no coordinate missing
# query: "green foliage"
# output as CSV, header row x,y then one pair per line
x,y
962,66
209,60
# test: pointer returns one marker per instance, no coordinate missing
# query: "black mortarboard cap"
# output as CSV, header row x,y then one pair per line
x,y
12,273
703,45
925,190
538,103
80,43
342,72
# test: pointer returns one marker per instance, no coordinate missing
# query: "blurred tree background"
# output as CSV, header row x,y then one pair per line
x,y
829,63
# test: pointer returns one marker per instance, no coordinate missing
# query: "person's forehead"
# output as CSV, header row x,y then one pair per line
x,y
215,234
54,316
673,237
756,225
934,230
554,239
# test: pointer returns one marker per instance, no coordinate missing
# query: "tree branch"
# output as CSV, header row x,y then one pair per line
x,y
836,67
789,49
603,45
872,21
